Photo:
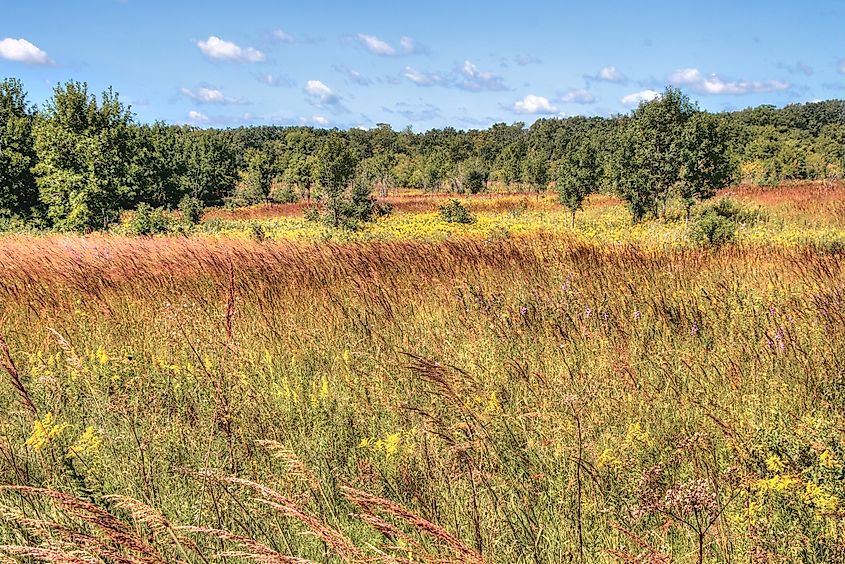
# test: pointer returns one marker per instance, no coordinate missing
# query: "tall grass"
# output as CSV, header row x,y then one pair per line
x,y
526,399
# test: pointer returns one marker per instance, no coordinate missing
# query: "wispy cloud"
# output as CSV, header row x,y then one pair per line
x,y
197,117
421,78
797,68
532,104
283,36
378,46
353,75
471,78
466,77
609,74
276,80
321,96
577,96
713,84
206,95
842,66
641,96
23,51
220,50
525,60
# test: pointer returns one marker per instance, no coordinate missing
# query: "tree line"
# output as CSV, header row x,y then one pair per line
x,y
77,162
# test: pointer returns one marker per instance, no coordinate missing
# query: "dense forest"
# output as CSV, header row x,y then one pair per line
x,y
81,159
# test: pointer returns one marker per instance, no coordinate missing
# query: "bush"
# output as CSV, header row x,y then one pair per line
x,y
148,220
729,208
712,230
455,212
191,209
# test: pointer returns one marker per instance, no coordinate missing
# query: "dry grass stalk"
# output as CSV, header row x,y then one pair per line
x,y
255,550
369,503
295,467
15,376
113,528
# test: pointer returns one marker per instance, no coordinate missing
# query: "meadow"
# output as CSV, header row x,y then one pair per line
x,y
511,390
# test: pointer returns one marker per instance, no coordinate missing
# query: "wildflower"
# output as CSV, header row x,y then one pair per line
x,y
694,329
606,459
87,444
523,311
493,403
774,464
636,315
691,497
101,356
827,460
44,431
391,443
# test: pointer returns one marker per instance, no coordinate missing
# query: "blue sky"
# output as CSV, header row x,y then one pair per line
x,y
428,64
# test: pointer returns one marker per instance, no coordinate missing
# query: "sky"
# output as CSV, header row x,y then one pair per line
x,y
463,64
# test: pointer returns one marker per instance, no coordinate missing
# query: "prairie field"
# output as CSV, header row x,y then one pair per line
x,y
510,390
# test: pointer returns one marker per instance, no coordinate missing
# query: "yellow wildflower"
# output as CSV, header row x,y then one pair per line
x,y
827,460
44,431
607,459
87,444
391,443
774,464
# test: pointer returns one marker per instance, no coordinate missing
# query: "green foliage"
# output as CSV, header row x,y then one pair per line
x,y
711,229
191,209
149,221
83,154
18,191
474,176
577,175
455,212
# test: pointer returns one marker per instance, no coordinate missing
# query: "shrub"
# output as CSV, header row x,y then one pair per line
x,y
455,212
712,230
191,209
148,220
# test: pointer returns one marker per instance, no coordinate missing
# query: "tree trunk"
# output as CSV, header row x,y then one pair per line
x,y
572,224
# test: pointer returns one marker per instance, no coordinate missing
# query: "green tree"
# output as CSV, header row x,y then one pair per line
x,y
300,173
210,167
335,168
536,171
474,176
256,181
706,164
83,150
18,190
578,175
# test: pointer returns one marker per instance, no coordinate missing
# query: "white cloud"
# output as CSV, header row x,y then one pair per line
x,y
842,66
611,74
207,96
375,45
197,117
218,49
422,78
320,93
532,104
637,97
320,120
23,51
282,36
407,44
475,80
713,84
577,96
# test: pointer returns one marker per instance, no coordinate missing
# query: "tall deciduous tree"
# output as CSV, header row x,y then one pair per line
x,y
335,168
83,157
18,191
578,174
668,147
